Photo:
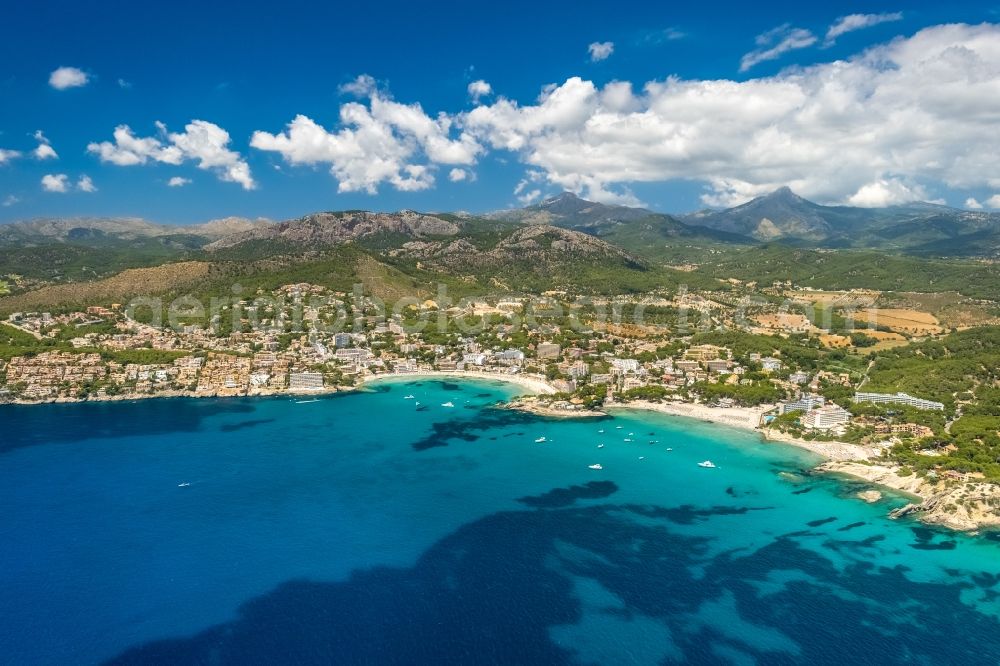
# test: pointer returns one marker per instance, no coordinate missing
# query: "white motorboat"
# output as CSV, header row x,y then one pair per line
x,y
448,404
539,440
596,466
706,463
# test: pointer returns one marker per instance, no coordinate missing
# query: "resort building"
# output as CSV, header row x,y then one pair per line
x,y
898,399
825,418
705,352
510,356
305,381
687,366
806,402
718,365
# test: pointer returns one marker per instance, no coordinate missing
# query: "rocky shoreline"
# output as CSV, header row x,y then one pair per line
x,y
960,506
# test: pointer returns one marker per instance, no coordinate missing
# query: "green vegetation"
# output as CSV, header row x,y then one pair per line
x,y
73,262
847,269
940,369
748,395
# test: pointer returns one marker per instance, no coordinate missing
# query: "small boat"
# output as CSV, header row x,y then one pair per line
x,y
306,402
670,448
642,457
600,446
630,434
407,397
600,432
706,463
448,404
183,485
596,466
618,427
627,439
539,440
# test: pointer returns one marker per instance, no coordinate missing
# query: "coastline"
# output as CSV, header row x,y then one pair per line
x,y
962,507
536,385
167,394
746,418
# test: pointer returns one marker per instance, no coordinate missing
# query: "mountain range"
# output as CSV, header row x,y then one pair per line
x,y
561,240
781,216
915,228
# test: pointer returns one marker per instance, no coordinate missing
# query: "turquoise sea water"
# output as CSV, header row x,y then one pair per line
x,y
368,528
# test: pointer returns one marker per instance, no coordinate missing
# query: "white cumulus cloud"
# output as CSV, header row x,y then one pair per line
x,y
10,200
383,142
775,43
457,175
882,126
85,184
885,192
993,201
55,182
478,89
362,86
201,141
973,204
68,77
600,50
44,151
853,22
178,181
8,155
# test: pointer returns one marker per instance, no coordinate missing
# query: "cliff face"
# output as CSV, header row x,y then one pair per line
x,y
538,243
328,229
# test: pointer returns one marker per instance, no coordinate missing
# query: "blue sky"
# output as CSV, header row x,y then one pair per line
x,y
243,69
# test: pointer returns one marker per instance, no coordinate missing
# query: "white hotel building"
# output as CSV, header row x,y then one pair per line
x,y
897,399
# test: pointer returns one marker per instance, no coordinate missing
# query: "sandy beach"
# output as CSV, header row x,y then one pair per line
x,y
749,419
836,451
736,417
533,384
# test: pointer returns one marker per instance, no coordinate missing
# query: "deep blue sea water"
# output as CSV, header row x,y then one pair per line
x,y
365,528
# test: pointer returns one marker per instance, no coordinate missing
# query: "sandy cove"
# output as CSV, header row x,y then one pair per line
x,y
963,506
746,418
534,384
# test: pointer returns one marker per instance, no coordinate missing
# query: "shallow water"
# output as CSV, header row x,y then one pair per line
x,y
366,528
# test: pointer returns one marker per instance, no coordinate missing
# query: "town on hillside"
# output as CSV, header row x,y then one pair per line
x,y
773,367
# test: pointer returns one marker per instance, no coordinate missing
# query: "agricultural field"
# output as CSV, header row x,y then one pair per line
x,y
856,298
951,308
902,320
